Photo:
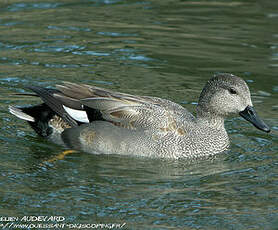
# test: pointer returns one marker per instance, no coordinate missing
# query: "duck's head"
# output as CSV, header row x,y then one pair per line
x,y
226,94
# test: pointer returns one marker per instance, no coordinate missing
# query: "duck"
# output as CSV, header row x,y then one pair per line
x,y
100,121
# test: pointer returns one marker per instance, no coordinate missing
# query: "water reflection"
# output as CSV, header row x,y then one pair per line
x,y
70,28
30,6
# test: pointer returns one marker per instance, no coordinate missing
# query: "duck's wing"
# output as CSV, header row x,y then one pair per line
x,y
121,109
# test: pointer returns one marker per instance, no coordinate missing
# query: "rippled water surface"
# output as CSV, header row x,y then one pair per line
x,y
161,48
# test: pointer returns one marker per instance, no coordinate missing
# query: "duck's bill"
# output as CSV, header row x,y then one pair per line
x,y
250,115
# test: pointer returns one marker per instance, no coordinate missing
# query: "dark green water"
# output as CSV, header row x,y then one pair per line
x,y
162,48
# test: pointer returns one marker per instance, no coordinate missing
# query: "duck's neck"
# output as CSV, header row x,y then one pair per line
x,y
210,119
213,137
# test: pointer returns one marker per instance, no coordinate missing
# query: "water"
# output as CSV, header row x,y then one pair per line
x,y
161,48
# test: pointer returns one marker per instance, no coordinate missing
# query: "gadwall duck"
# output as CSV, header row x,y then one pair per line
x,y
97,120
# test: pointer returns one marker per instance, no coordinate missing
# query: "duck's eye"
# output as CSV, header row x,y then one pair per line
x,y
232,91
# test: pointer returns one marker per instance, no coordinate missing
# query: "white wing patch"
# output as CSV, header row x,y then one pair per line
x,y
78,115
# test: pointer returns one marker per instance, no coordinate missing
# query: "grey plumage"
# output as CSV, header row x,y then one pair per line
x,y
97,120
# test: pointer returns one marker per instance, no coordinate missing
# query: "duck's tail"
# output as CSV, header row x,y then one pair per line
x,y
38,117
56,113
42,117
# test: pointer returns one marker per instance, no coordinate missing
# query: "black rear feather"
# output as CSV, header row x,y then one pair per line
x,y
42,115
53,101
47,96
